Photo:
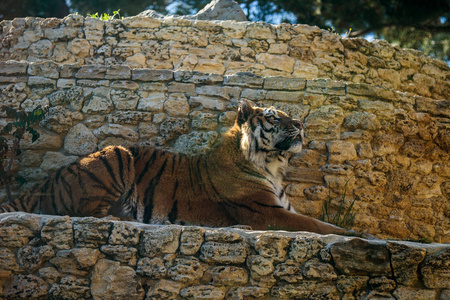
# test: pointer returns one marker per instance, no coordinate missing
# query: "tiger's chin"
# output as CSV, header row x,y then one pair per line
x,y
296,147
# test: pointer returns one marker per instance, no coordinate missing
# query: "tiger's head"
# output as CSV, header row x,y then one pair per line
x,y
268,132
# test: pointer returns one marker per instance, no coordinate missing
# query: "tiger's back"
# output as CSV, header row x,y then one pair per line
x,y
88,187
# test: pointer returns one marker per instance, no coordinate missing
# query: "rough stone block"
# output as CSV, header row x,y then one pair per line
x,y
91,72
359,257
58,232
151,75
191,240
10,67
435,269
244,79
202,292
340,152
153,268
226,276
283,83
111,280
162,240
306,290
324,86
224,253
91,232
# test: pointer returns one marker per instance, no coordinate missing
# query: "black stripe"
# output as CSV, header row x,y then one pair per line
x,y
228,201
173,214
268,205
173,162
149,193
119,158
147,165
100,184
53,198
200,182
111,173
148,212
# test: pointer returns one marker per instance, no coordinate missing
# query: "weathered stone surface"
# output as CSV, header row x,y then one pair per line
x,y
25,287
359,257
163,240
322,123
405,261
174,127
116,130
58,233
100,102
282,83
224,253
247,292
205,292
121,253
154,268
221,10
70,288
8,260
34,255
91,232
315,269
226,276
413,293
154,102
186,270
340,152
124,234
76,261
177,105
80,140
289,271
53,161
304,248
434,269
260,265
17,230
305,290
164,289
111,280
272,246
191,240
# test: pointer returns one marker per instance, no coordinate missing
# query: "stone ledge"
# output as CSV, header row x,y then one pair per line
x,y
61,256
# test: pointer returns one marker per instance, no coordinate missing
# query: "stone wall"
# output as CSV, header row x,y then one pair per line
x,y
223,47
56,257
377,117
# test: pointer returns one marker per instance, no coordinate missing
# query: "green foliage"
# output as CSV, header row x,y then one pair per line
x,y
343,217
105,16
9,149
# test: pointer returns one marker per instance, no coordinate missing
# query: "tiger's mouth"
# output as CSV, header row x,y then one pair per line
x,y
291,143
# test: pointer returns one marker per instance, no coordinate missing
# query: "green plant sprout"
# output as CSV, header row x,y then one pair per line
x,y
343,217
23,122
105,16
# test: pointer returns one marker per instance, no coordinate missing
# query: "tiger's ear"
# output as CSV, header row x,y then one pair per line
x,y
245,110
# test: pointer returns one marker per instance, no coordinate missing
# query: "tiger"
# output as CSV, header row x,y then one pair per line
x,y
238,182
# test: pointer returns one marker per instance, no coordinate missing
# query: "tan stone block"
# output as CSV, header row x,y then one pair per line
x,y
278,62
210,66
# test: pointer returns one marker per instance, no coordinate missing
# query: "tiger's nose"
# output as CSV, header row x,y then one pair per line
x,y
297,124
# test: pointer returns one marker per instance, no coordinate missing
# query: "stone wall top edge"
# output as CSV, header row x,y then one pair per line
x,y
35,222
146,22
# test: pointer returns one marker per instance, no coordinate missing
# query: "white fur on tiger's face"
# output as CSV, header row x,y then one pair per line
x,y
268,132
